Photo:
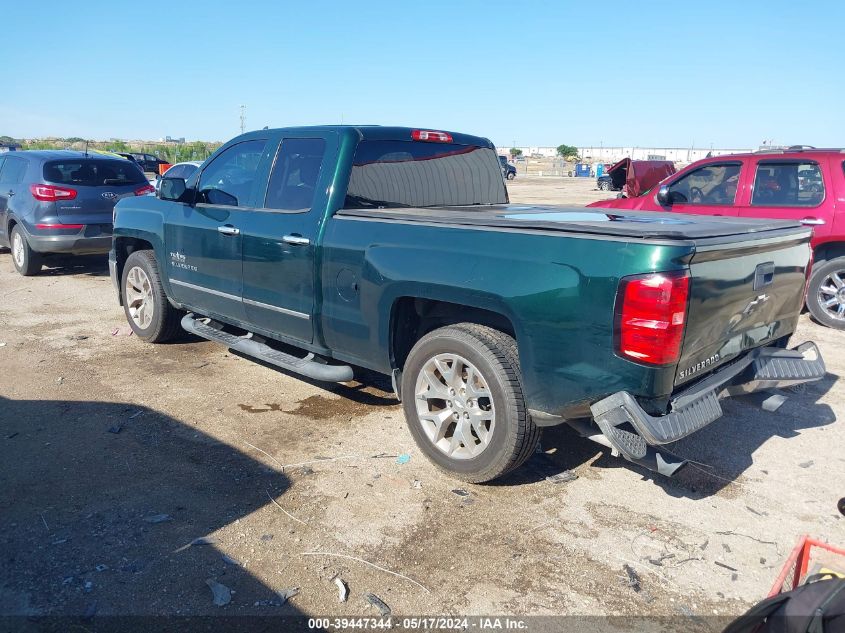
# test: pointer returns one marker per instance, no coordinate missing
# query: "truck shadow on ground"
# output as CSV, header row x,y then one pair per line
x,y
724,450
97,505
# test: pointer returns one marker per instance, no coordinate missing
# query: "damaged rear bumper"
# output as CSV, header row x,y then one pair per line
x,y
633,433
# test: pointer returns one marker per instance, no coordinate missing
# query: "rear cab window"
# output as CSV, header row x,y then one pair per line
x,y
788,184
390,173
92,172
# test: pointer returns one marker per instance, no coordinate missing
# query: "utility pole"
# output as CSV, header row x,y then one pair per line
x,y
243,117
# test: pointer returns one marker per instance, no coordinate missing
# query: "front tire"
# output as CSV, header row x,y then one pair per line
x,y
145,303
511,175
27,262
464,404
826,293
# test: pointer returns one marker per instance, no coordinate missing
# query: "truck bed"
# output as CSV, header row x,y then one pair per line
x,y
624,224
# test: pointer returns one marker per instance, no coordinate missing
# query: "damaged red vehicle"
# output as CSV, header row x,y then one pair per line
x,y
633,177
800,183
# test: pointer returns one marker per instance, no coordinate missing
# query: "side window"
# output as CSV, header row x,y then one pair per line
x,y
711,184
2,161
788,184
229,178
13,170
293,181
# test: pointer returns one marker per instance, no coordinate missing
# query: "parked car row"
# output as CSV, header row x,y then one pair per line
x,y
806,185
322,250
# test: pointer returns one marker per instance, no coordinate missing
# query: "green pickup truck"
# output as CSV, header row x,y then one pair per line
x,y
325,249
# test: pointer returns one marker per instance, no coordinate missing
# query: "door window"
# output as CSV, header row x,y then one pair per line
x,y
711,184
228,180
13,170
293,181
788,184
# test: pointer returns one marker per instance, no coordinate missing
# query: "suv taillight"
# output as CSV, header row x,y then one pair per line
x,y
651,312
51,193
145,190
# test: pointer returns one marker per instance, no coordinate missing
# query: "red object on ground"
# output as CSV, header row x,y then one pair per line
x,y
163,167
638,176
795,569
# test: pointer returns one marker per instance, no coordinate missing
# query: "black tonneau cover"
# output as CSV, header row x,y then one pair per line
x,y
622,223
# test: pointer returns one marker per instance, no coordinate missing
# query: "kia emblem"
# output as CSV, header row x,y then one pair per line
x,y
109,195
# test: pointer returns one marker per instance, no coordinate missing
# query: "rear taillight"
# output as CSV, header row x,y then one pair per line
x,y
145,190
51,193
651,311
431,136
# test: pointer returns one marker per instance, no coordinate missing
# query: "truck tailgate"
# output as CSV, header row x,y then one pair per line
x,y
744,293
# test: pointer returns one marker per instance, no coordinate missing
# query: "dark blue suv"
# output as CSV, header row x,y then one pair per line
x,y
61,202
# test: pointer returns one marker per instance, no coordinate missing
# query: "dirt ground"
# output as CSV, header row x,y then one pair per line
x,y
116,455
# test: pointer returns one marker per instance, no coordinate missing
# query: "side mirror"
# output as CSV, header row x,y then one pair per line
x,y
664,197
172,189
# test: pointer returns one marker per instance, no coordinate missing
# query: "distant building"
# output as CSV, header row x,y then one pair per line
x,y
604,154
675,154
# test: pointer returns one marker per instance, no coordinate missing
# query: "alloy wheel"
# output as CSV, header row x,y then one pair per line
x,y
455,406
18,250
139,297
831,295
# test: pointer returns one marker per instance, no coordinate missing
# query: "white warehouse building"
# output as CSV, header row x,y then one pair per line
x,y
603,154
675,154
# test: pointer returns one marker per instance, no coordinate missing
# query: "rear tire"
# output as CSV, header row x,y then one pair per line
x,y
27,262
511,175
826,293
145,303
479,437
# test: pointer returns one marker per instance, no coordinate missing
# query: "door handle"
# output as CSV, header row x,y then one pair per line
x,y
296,240
812,221
228,230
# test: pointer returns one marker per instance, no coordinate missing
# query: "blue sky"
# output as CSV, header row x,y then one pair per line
x,y
639,73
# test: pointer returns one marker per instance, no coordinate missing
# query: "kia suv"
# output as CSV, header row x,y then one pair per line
x,y
61,202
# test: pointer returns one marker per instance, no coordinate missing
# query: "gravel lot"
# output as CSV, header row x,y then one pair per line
x,y
117,454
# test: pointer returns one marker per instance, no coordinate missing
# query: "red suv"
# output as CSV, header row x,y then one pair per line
x,y
803,184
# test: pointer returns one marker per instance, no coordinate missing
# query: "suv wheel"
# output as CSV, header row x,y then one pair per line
x,y
27,261
145,303
511,175
826,293
464,404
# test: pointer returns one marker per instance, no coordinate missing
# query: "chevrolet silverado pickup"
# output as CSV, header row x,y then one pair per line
x,y
323,250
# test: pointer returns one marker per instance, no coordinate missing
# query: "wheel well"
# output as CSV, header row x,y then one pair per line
x,y
829,251
9,228
124,247
414,317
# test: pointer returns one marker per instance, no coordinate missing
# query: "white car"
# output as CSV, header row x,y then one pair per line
x,y
179,170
